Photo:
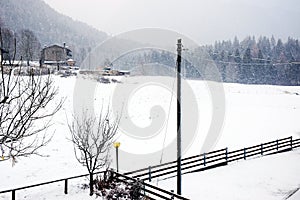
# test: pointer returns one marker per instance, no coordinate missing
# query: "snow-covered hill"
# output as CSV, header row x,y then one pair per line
x,y
252,114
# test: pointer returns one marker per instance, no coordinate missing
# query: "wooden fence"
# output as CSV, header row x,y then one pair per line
x,y
191,164
151,192
65,180
147,190
214,159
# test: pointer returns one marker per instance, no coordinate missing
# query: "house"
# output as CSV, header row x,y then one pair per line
x,y
56,55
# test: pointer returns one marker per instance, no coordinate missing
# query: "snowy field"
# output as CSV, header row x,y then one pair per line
x,y
270,177
253,114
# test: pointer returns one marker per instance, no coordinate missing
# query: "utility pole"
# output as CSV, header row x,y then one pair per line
x,y
178,63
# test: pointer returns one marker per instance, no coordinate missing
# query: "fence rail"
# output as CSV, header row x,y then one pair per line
x,y
214,159
190,164
65,180
152,192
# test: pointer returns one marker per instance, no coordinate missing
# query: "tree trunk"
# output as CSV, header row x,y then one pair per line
x,y
91,184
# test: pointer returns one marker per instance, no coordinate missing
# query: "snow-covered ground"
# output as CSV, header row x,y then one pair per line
x,y
270,177
253,114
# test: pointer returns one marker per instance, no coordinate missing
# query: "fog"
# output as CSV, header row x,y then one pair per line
x,y
204,21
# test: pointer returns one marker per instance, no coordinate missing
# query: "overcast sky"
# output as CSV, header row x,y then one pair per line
x,y
202,20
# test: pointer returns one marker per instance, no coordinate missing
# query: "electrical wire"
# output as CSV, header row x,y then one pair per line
x,y
259,59
167,123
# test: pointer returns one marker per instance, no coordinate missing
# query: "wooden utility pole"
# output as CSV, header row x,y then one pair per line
x,y
178,63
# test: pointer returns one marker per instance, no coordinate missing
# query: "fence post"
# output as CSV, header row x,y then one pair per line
x,y
13,195
150,174
66,186
277,144
172,197
262,149
204,159
244,153
144,186
226,154
291,142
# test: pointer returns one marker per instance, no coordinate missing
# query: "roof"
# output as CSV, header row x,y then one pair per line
x,y
55,45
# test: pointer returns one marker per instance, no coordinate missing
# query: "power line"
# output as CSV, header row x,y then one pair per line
x,y
270,62
168,118
251,64
254,58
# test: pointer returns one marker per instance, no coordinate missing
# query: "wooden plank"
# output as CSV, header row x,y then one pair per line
x,y
235,159
216,151
156,194
283,146
297,145
154,172
252,147
235,151
217,155
270,144
208,167
296,142
255,150
149,185
237,155
217,159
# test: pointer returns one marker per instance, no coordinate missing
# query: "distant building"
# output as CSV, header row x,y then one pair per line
x,y
71,62
108,71
56,55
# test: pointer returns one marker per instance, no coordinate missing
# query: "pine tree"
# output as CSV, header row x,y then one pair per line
x,y
237,56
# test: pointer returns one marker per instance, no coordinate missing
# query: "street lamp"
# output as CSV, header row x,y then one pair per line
x,y
117,145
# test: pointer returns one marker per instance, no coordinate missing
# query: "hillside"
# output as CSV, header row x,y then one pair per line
x,y
49,26
254,114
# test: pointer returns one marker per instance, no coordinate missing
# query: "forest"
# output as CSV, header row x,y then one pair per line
x,y
250,61
262,61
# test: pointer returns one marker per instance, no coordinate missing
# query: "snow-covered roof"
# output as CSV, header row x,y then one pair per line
x,y
56,45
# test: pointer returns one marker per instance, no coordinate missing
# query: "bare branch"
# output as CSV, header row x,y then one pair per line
x,y
92,138
23,103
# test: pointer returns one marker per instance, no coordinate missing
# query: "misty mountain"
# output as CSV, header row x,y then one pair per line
x,y
49,26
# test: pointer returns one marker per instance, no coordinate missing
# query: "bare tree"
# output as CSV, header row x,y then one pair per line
x,y
8,44
24,112
92,138
29,45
